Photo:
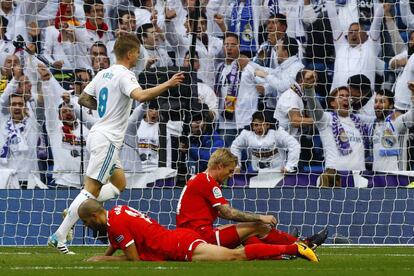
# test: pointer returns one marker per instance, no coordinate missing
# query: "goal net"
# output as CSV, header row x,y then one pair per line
x,y
314,97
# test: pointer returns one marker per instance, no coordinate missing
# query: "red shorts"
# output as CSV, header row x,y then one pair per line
x,y
180,244
226,237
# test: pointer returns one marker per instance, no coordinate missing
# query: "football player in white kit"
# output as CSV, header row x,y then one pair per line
x,y
110,93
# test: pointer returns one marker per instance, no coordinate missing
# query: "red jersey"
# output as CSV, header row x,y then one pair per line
x,y
152,241
195,209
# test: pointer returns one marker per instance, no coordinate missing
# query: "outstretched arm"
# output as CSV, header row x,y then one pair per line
x,y
334,20
375,30
150,93
230,213
130,254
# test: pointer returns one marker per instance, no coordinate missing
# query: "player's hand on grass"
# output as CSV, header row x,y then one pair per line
x,y
268,219
95,259
176,79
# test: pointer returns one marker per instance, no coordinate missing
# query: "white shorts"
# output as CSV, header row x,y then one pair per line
x,y
104,157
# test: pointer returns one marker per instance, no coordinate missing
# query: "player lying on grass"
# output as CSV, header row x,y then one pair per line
x,y
142,238
201,202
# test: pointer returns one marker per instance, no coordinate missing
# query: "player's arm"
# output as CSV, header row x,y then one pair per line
x,y
110,251
143,95
230,213
130,254
87,100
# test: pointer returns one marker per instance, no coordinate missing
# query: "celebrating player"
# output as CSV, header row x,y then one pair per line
x,y
201,202
142,238
110,93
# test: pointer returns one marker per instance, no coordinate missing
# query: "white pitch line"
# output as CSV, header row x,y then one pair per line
x,y
15,253
91,268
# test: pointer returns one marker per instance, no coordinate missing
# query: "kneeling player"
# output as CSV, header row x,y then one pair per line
x,y
201,202
142,238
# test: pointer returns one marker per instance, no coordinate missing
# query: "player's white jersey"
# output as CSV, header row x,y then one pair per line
x,y
386,146
112,88
268,151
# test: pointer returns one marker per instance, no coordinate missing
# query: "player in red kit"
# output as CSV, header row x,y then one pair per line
x,y
201,202
142,238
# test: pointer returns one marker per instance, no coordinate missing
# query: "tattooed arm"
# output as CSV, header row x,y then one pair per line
x,y
230,213
88,101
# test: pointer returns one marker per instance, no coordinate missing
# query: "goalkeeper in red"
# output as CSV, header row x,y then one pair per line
x,y
142,238
201,202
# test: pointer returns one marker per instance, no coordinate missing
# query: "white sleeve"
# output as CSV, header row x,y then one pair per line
x,y
406,15
289,144
238,145
288,103
128,83
334,20
403,54
309,15
324,121
5,97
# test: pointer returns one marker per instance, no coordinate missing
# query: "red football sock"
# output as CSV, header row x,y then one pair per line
x,y
278,237
269,251
252,240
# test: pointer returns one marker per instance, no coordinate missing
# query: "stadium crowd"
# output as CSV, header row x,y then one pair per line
x,y
287,85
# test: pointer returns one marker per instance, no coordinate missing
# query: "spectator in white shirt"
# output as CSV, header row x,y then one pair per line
x,y
154,55
67,141
235,89
290,109
19,133
345,137
356,52
267,148
401,91
126,25
208,47
276,31
387,130
280,79
95,29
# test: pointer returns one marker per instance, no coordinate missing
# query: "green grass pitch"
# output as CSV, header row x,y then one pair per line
x,y
352,261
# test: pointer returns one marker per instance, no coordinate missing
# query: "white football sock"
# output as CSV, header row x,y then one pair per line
x,y
72,216
108,191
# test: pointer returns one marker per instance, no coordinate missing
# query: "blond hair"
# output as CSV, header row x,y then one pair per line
x,y
222,157
124,44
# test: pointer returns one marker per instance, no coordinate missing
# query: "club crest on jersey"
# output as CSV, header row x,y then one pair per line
x,y
388,140
119,238
217,192
343,137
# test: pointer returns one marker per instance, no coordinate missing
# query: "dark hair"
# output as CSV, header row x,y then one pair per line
x,y
142,31
334,93
195,54
388,94
259,115
360,82
63,104
100,44
281,18
230,34
290,45
4,21
300,75
121,13
87,6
